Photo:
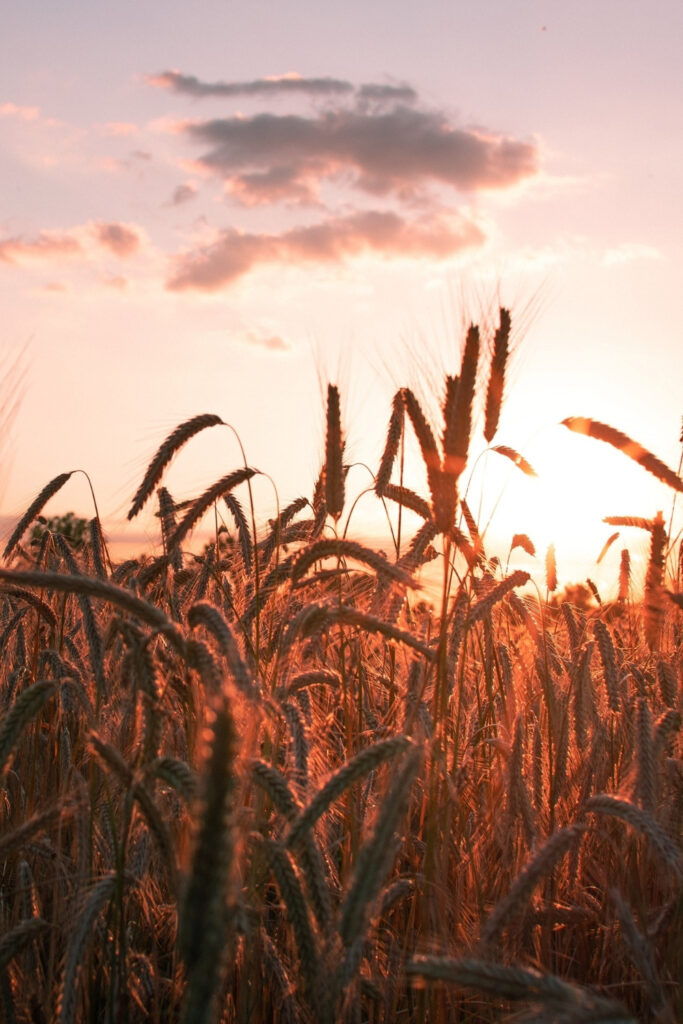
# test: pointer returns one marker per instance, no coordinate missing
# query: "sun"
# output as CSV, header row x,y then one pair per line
x,y
579,482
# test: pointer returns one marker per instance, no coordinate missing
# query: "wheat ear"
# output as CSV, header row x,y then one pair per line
x,y
204,917
206,500
349,549
521,889
100,893
516,458
25,707
165,453
365,761
375,857
634,450
34,509
496,385
604,803
334,453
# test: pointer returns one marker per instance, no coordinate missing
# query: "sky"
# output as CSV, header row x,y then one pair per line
x,y
218,208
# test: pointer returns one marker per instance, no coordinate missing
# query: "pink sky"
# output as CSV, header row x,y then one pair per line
x,y
216,209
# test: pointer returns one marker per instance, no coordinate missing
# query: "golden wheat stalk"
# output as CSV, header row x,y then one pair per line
x,y
173,443
334,453
496,385
34,509
625,444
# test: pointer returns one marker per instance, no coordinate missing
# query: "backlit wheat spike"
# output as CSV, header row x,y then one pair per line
x,y
605,803
668,687
606,546
206,500
646,756
19,937
521,540
365,761
207,615
634,450
409,499
273,782
550,569
391,445
41,607
98,896
204,919
516,458
349,549
15,838
34,509
511,983
497,593
624,575
375,857
609,663
654,580
334,453
427,442
176,774
95,649
237,512
165,453
496,385
638,521
289,884
521,889
25,707
278,526
448,492
640,949
93,587
456,458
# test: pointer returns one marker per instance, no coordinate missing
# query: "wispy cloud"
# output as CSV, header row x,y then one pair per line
x,y
22,112
234,253
290,83
271,342
121,240
46,245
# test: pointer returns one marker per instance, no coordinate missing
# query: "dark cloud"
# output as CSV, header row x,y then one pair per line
x,y
183,194
215,266
118,238
382,152
46,245
292,84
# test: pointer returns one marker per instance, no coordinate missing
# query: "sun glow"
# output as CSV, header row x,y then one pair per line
x,y
579,482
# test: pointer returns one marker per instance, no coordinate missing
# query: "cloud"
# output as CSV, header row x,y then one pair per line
x,y
23,113
118,238
272,342
182,194
377,151
233,254
45,246
290,83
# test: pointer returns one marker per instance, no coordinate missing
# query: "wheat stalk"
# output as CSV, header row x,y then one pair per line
x,y
634,450
180,436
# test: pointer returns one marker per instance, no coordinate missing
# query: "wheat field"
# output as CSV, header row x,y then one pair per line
x,y
271,782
